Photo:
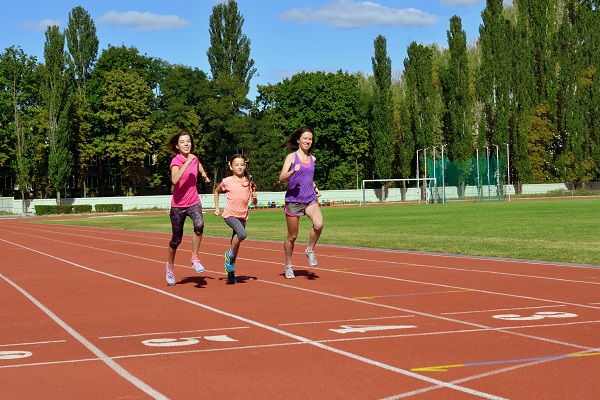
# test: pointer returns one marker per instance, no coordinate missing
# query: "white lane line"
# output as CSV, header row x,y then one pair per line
x,y
248,321
96,351
172,333
32,343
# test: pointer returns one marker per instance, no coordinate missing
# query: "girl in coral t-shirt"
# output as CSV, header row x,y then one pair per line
x,y
239,188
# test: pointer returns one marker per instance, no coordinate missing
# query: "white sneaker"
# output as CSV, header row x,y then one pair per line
x,y
289,272
197,266
170,276
312,259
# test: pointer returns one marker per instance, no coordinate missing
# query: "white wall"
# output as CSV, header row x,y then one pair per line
x,y
14,206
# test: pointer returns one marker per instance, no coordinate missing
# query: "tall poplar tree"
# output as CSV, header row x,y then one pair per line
x,y
232,69
382,133
82,45
459,127
420,96
56,93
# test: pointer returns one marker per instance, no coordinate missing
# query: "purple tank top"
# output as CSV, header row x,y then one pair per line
x,y
300,184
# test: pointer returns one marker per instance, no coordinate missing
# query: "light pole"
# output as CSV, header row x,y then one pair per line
x,y
487,155
478,182
497,170
434,177
443,183
418,178
425,173
508,169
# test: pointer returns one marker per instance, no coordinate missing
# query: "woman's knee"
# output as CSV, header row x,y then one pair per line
x,y
199,229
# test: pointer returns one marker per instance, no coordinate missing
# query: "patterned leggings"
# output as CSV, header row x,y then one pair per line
x,y
178,215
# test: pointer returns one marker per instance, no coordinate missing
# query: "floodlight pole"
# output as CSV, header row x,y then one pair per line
x,y
487,154
497,170
508,169
478,182
418,183
425,172
443,183
434,177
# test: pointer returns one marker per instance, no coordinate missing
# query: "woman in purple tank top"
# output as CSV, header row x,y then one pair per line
x,y
301,197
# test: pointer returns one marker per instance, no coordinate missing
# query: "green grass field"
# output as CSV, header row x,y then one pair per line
x,y
564,230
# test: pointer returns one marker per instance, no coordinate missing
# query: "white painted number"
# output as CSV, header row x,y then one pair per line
x,y
536,316
173,342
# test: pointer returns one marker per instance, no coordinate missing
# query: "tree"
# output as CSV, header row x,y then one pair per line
x,y
56,93
229,51
458,123
82,43
232,69
382,134
328,103
126,125
16,73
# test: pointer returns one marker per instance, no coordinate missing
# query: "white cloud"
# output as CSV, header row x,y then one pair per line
x,y
351,14
459,3
39,26
143,21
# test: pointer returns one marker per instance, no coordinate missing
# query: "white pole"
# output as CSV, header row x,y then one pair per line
x,y
508,169
487,154
434,177
479,188
443,183
497,170
418,183
425,172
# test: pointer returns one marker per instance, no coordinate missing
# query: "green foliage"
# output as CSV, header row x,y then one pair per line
x,y
328,103
382,132
62,209
108,208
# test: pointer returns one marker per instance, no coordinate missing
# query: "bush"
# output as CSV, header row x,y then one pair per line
x,y
62,209
82,208
109,207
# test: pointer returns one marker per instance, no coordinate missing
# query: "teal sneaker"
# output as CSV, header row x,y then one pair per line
x,y
229,260
231,278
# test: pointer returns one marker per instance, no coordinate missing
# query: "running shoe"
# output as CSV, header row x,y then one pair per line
x,y
197,266
312,259
229,267
170,276
231,278
289,272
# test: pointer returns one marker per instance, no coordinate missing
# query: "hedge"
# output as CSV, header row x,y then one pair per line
x,y
109,207
62,209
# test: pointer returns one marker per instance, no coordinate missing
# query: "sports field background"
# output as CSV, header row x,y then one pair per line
x,y
560,230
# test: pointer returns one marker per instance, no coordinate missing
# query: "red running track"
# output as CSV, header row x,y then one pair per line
x,y
86,313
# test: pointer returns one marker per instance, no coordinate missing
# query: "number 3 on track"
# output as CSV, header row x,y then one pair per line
x,y
536,316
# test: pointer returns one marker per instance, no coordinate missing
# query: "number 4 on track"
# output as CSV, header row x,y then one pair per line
x,y
369,328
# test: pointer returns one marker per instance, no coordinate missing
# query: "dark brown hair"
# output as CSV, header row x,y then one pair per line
x,y
246,171
175,140
292,140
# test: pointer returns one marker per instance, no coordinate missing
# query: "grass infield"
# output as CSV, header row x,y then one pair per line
x,y
562,230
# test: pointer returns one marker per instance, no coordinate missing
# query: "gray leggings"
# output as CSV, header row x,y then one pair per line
x,y
178,215
238,226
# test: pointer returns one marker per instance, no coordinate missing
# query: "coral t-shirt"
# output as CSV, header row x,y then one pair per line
x,y
185,192
237,193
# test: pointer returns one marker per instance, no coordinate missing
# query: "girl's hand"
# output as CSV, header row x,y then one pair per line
x,y
206,179
217,211
297,167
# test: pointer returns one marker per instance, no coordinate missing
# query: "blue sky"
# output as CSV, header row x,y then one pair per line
x,y
287,36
